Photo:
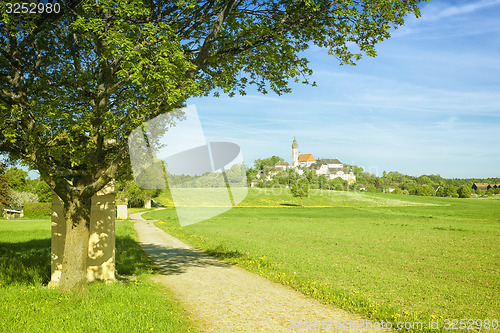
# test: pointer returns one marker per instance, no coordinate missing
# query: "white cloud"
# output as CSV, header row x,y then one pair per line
x,y
441,21
437,11
392,94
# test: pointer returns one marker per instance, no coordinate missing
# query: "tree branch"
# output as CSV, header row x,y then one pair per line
x,y
212,35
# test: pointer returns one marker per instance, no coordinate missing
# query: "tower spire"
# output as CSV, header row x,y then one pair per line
x,y
295,153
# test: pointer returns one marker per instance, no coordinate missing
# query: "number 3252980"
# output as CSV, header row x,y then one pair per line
x,y
32,8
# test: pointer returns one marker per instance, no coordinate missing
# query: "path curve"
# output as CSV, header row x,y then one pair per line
x,y
224,298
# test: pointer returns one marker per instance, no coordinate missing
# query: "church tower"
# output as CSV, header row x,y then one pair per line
x,y
295,153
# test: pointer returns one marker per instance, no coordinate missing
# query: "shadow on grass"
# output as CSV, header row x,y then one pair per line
x,y
221,253
178,260
289,204
131,258
25,262
29,262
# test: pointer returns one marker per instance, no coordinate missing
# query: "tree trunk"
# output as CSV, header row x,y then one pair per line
x,y
76,245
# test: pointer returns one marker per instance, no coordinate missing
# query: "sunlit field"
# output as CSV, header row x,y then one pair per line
x,y
389,257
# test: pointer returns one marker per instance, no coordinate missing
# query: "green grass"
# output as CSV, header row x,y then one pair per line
x,y
389,257
26,305
24,252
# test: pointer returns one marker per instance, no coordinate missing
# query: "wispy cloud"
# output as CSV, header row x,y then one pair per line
x,y
439,10
441,20
393,94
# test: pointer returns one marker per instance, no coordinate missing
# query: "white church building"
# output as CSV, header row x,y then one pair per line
x,y
331,168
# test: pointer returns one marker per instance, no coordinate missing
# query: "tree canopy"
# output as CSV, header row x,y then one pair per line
x,y
17,179
300,188
75,83
262,164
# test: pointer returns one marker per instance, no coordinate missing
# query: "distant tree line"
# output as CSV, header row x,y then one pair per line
x,y
17,189
393,181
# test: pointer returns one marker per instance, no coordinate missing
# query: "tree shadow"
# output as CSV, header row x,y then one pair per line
x,y
25,262
131,258
29,262
175,260
289,204
221,253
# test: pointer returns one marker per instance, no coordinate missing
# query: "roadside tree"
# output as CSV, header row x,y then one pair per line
x,y
75,83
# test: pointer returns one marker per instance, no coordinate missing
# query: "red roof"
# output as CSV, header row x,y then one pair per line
x,y
306,158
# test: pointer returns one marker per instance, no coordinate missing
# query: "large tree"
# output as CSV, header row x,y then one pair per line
x,y
75,83
17,179
4,187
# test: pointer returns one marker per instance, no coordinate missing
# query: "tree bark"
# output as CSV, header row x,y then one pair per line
x,y
76,244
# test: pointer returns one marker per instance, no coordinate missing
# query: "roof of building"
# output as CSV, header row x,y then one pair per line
x,y
328,161
279,163
306,158
336,170
481,184
294,144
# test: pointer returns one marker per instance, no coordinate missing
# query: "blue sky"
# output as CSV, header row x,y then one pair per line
x,y
429,103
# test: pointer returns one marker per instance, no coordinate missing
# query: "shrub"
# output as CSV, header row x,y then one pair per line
x,y
424,190
19,199
37,209
464,191
372,189
451,191
397,190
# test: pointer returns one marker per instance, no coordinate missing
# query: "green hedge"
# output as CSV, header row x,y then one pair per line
x,y
38,209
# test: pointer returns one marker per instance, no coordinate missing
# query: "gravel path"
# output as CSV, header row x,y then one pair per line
x,y
224,298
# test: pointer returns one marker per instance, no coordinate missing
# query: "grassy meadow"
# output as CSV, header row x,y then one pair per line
x,y
27,305
389,257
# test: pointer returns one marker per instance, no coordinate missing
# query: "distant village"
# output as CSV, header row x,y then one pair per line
x,y
331,168
392,182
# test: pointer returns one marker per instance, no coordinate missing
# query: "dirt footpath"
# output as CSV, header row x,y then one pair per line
x,y
225,298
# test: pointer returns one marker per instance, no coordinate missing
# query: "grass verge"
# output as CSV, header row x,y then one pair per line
x,y
127,306
429,260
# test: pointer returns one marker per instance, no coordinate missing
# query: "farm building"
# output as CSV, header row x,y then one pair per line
x,y
484,186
